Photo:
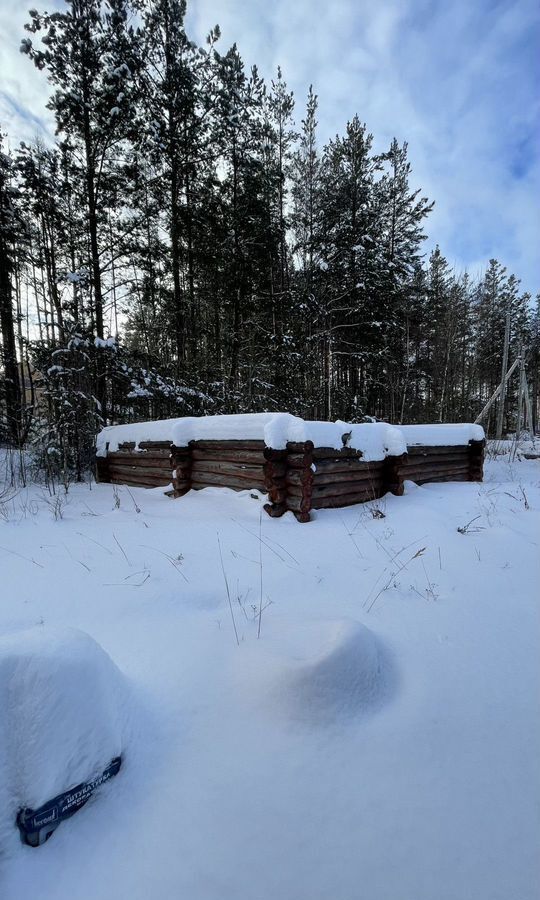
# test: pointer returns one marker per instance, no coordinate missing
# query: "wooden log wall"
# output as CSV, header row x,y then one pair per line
x,y
235,464
149,466
454,463
297,479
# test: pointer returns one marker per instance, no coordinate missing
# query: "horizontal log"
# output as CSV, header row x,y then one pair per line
x,y
140,482
343,500
328,490
433,464
437,459
131,463
329,453
347,478
346,464
150,471
441,479
252,476
251,457
139,454
240,469
155,445
426,449
425,471
212,479
135,476
302,477
146,445
227,445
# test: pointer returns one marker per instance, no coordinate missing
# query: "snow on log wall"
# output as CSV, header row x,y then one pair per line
x,y
333,465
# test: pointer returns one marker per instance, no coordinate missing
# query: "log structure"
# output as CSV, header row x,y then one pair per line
x,y
298,479
424,464
148,466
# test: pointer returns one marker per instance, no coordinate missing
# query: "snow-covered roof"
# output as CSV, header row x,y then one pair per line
x,y
441,435
375,440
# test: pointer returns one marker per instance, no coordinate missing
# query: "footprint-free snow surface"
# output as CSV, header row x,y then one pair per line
x,y
343,710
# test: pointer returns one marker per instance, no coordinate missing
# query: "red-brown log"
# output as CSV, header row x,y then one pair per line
x,y
251,457
342,500
211,479
341,490
340,477
231,468
139,454
227,445
150,471
426,450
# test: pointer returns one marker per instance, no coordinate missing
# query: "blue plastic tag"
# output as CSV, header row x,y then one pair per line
x,y
37,825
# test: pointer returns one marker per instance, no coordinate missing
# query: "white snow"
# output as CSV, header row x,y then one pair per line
x,y
63,712
381,738
441,435
276,429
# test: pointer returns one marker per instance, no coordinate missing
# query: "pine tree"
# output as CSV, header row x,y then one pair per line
x,y
10,226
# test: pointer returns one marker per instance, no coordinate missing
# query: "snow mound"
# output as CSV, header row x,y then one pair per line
x,y
63,716
318,670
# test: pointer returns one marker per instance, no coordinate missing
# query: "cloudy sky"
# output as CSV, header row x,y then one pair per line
x,y
457,79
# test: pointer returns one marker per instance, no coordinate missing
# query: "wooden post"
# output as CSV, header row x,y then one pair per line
x,y
393,474
500,415
102,468
476,460
275,472
520,395
302,506
528,412
181,464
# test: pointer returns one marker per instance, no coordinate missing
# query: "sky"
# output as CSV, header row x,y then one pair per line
x,y
457,79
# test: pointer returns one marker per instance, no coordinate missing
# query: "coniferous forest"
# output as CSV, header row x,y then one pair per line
x,y
188,246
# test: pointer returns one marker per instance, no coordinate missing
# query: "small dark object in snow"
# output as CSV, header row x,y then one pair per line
x,y
378,514
254,496
37,825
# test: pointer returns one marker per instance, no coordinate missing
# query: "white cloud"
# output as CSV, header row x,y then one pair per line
x,y
456,80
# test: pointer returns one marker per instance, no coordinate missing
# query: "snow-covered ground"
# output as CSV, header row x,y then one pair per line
x,y
378,741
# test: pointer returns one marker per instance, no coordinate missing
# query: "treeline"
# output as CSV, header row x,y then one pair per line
x,y
188,246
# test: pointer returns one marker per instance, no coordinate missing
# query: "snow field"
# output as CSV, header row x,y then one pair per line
x,y
380,739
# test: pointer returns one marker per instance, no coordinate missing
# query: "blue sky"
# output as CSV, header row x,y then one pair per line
x,y
459,80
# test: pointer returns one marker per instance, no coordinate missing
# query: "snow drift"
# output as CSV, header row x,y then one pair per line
x,y
316,670
63,717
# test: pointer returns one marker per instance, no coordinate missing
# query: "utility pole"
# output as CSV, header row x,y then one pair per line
x,y
500,415
520,393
